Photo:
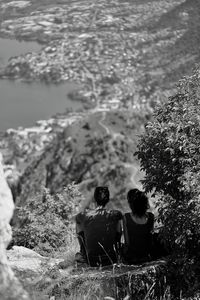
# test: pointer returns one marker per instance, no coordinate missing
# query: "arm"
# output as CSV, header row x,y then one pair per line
x,y
79,222
125,231
118,216
151,221
119,231
118,237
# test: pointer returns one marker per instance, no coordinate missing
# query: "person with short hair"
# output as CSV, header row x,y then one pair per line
x,y
99,231
138,226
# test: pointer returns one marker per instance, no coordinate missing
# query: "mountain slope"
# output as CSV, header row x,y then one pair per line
x,y
93,151
123,54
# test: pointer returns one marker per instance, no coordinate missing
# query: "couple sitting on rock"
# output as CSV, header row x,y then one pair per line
x,y
100,231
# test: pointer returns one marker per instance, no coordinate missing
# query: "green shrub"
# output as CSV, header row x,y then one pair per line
x,y
46,220
169,154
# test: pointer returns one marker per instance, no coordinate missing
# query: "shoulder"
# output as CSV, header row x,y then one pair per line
x,y
151,216
127,215
116,214
80,217
86,215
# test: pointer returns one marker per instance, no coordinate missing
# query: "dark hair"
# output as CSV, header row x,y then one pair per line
x,y
138,202
101,195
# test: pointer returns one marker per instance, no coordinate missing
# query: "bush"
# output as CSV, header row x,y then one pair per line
x,y
46,223
169,153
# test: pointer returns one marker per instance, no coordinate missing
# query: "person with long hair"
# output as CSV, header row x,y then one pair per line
x,y
138,227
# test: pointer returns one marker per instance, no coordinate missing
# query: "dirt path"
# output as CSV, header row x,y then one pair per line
x,y
107,130
134,174
134,170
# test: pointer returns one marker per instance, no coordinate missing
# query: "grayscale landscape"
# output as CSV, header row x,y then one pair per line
x,y
79,81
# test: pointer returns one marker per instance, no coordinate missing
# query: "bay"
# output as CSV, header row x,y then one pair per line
x,y
21,103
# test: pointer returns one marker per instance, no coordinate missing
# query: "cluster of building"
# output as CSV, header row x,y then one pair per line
x,y
100,46
102,50
15,4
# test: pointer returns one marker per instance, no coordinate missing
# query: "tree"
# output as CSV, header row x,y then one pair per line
x,y
169,153
46,223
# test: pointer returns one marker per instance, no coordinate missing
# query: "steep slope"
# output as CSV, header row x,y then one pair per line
x,y
93,151
180,57
122,54
10,288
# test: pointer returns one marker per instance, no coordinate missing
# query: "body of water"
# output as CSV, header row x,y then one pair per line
x,y
21,104
9,48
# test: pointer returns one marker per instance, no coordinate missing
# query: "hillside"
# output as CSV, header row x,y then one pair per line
x,y
125,56
90,152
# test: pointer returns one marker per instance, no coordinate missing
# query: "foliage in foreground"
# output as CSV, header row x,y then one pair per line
x,y
169,154
46,220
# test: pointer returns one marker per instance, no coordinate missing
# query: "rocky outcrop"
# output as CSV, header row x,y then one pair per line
x,y
10,288
21,146
27,261
33,270
58,280
115,282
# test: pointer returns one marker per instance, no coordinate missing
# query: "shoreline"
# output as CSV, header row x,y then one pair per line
x,y
124,55
106,53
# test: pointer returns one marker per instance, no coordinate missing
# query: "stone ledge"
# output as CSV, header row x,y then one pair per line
x,y
42,274
117,282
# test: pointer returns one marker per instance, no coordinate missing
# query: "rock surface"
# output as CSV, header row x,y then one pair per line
x,y
44,279
115,282
21,146
10,288
25,260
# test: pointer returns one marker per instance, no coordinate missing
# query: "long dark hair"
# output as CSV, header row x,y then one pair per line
x,y
138,202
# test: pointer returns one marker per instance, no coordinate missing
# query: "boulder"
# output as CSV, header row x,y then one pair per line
x,y
10,287
31,268
29,263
